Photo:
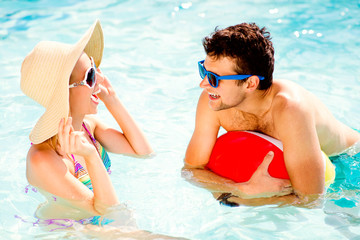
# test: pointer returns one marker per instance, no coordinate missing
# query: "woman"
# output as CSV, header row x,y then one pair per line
x,y
67,161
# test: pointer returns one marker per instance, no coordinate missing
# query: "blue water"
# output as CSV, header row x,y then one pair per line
x,y
151,53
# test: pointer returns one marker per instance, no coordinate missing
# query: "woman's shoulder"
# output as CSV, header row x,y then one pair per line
x,y
42,160
38,153
91,121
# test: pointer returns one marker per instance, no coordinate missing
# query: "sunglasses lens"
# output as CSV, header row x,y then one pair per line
x,y
201,71
212,79
90,78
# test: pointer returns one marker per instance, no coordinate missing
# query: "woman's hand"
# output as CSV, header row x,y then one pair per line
x,y
74,142
105,86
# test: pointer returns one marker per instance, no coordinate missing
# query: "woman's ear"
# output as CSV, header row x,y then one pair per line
x,y
252,83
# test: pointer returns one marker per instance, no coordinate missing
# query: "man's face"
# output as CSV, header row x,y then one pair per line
x,y
228,94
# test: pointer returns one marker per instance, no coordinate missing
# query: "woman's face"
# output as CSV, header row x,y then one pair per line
x,y
83,99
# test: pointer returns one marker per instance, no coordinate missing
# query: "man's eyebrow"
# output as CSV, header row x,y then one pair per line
x,y
209,71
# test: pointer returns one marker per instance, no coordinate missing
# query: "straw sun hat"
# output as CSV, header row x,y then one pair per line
x,y
45,75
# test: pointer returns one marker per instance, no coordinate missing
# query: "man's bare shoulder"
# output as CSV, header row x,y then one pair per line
x,y
289,96
292,108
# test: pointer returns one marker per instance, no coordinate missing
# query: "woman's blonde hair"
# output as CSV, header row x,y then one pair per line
x,y
54,143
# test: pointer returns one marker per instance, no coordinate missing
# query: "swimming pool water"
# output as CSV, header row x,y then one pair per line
x,y
151,53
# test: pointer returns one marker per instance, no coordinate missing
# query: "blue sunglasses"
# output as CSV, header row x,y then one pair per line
x,y
214,78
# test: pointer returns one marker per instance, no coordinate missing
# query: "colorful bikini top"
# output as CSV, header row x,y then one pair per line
x,y
80,171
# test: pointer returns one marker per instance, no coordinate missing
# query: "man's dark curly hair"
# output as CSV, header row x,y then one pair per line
x,y
250,46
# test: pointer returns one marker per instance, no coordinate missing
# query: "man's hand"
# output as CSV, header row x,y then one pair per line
x,y
261,184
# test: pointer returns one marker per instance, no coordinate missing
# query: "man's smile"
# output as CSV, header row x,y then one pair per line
x,y
213,96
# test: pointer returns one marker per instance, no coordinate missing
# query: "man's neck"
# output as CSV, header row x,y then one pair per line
x,y
258,103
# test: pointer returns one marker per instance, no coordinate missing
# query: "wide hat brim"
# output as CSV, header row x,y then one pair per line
x,y
45,75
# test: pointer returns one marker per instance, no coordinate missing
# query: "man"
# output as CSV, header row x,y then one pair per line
x,y
240,94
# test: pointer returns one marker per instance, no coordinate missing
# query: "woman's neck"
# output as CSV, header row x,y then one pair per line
x,y
77,122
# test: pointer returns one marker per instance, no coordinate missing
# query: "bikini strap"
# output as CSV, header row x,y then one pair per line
x,y
91,137
76,164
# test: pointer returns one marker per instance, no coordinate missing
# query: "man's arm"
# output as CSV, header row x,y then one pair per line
x,y
199,150
204,136
295,126
261,184
198,154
